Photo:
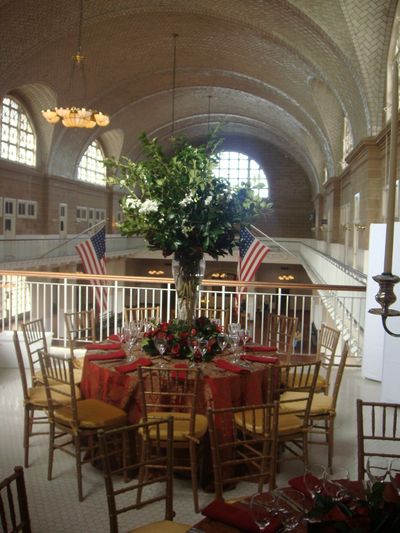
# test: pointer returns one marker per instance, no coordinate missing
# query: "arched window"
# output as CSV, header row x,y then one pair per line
x,y
91,166
238,168
17,140
347,140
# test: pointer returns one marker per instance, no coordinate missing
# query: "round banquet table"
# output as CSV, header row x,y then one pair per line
x,y
218,387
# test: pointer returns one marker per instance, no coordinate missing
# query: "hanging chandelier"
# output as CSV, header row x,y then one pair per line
x,y
77,117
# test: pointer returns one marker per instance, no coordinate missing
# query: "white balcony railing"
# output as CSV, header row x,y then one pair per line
x,y
29,295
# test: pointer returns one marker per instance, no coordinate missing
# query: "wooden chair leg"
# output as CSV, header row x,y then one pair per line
x,y
26,438
330,435
142,471
194,472
51,451
78,463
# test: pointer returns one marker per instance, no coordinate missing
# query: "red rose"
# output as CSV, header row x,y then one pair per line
x,y
175,349
193,332
164,327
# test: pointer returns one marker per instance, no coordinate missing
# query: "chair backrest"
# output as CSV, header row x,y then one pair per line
x,y
328,339
244,445
35,340
21,366
80,328
280,331
300,378
111,446
378,432
169,389
58,378
14,510
339,375
215,313
135,314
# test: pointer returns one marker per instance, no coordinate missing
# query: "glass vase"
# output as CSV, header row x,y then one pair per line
x,y
188,273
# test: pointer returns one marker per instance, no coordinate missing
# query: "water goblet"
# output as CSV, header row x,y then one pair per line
x,y
233,328
234,341
394,473
161,343
335,483
291,507
377,468
263,509
313,479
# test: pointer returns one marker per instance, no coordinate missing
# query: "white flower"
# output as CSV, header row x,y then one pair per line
x,y
132,202
148,206
186,201
208,200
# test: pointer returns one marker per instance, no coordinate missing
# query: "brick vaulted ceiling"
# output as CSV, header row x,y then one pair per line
x,y
283,72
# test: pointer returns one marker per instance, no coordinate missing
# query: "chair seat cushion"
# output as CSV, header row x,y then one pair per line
x,y
164,526
93,414
321,403
37,395
181,425
287,423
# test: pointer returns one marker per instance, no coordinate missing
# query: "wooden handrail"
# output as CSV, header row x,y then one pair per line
x,y
205,282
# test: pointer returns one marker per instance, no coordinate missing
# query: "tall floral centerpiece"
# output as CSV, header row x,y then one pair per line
x,y
180,207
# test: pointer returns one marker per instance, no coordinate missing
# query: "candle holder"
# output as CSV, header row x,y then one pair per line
x,y
385,298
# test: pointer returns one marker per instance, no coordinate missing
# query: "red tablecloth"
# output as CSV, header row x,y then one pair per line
x,y
223,388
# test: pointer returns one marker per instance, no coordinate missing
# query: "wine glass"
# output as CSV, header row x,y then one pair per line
x,y
193,343
377,468
333,483
244,337
291,507
314,475
202,347
263,509
222,341
161,343
394,473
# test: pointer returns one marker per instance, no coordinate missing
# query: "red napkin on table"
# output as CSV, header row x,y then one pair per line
x,y
237,515
101,346
260,358
221,363
178,374
130,367
114,337
254,348
298,484
119,354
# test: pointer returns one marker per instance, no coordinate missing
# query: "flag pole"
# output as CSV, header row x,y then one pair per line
x,y
274,241
72,238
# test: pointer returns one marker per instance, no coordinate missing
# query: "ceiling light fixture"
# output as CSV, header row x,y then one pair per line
x,y
286,277
77,117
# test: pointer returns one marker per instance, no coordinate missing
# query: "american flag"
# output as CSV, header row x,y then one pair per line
x,y
92,252
251,255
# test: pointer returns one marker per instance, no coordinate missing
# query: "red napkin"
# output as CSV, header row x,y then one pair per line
x,y
179,374
101,346
221,363
254,348
237,515
260,358
119,354
298,484
130,367
114,337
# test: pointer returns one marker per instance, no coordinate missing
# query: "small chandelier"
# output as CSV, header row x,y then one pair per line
x,y
77,117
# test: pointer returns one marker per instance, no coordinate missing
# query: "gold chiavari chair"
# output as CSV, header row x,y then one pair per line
x,y
80,330
280,331
136,314
14,509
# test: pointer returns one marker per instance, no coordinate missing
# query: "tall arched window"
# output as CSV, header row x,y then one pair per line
x,y
238,168
91,167
17,139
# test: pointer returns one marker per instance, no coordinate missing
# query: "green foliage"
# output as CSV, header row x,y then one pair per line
x,y
177,204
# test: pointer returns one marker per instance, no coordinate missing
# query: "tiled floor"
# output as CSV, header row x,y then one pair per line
x,y
54,505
